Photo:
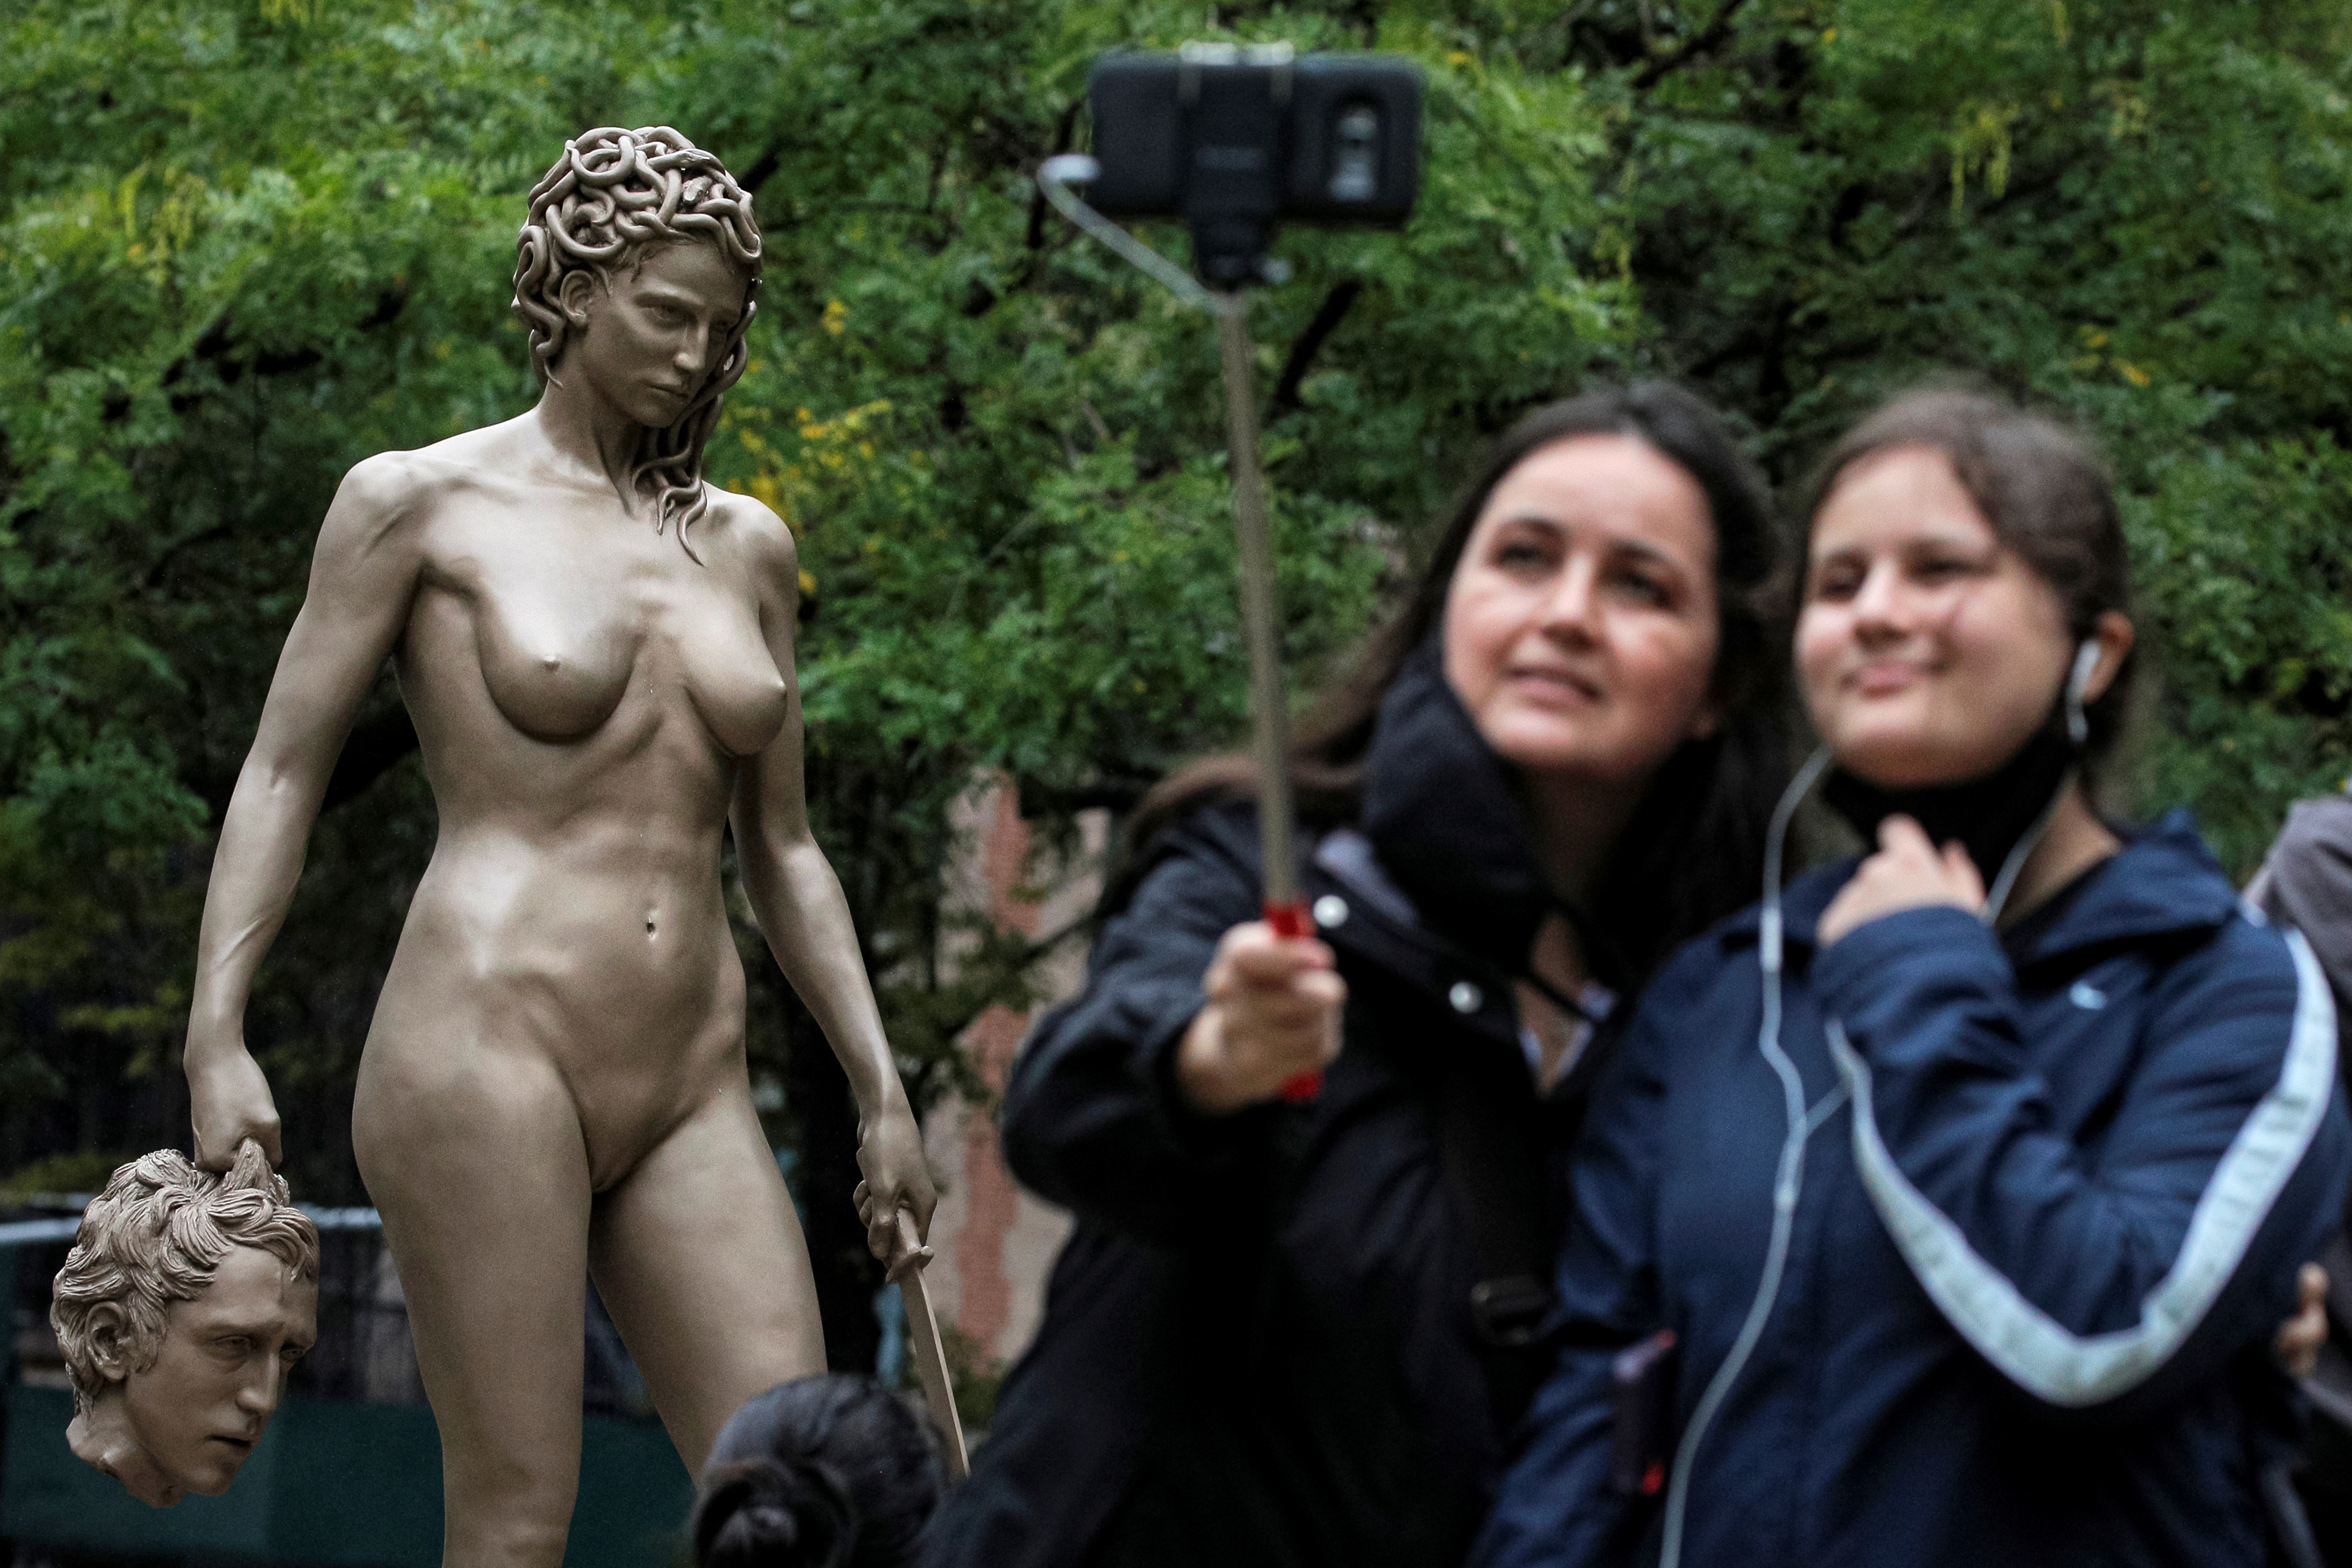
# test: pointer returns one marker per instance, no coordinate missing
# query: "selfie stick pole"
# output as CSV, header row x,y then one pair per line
x,y
1285,910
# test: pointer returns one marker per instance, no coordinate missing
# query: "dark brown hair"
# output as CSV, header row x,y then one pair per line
x,y
829,1471
1691,853
2045,490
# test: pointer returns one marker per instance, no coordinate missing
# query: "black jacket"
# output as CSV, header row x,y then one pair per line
x,y
1259,1346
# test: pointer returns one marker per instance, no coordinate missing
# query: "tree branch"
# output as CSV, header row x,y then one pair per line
x,y
761,167
1706,39
1328,317
1034,238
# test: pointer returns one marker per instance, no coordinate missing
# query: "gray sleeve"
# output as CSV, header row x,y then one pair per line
x,y
2306,883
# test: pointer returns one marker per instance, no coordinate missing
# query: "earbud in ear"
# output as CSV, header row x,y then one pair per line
x,y
2086,661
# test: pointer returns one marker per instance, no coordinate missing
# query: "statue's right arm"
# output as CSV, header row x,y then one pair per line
x,y
363,579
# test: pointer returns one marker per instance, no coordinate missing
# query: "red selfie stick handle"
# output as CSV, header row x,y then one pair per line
x,y
1289,919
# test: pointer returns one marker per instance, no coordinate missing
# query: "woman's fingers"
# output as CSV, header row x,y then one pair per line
x,y
882,1236
925,1202
1907,872
1273,1012
1902,837
1304,1004
1266,960
1960,873
2300,1336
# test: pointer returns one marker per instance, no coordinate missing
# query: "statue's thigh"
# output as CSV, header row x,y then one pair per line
x,y
486,1208
699,1258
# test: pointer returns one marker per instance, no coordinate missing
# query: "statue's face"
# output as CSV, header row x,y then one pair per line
x,y
197,1413
651,338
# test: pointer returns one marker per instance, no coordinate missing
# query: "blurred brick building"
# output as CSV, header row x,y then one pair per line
x,y
995,1243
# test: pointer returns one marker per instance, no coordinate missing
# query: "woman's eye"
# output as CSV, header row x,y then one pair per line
x,y
1835,587
1519,553
1644,589
1942,568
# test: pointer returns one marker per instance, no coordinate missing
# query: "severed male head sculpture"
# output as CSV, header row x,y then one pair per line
x,y
185,1299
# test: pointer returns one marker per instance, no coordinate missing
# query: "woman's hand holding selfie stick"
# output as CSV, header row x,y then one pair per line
x,y
1271,1018
1286,912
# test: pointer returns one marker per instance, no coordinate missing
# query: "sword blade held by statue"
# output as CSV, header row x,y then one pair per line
x,y
930,1355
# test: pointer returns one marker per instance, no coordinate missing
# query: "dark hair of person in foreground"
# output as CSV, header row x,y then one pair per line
x,y
821,1472
1689,856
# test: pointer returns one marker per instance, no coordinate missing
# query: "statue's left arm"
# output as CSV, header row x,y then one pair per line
x,y
802,913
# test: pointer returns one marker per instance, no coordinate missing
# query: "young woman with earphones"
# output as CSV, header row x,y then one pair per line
x,y
1971,1178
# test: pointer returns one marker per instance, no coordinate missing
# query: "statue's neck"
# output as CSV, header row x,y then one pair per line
x,y
589,433
101,1438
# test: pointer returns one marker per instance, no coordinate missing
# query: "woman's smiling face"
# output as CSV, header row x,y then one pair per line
x,y
1580,624
1928,650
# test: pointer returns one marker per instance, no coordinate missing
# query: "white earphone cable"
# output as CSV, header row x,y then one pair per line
x,y
1787,1183
1788,1180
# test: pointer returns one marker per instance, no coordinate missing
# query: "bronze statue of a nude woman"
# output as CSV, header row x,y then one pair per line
x,y
597,649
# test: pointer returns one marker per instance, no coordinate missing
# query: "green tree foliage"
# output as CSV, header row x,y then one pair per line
x,y
245,243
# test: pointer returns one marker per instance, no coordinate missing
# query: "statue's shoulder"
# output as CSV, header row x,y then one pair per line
x,y
765,539
386,500
393,486
394,480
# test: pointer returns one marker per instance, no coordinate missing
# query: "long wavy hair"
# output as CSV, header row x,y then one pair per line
x,y
613,197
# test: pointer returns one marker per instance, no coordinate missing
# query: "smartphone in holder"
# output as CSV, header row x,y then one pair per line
x,y
1236,141
1642,1393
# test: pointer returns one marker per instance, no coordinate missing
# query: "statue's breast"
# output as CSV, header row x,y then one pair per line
x,y
570,624
725,667
556,654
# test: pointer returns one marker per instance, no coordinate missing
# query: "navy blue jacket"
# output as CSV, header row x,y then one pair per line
x,y
2048,1222
1259,1348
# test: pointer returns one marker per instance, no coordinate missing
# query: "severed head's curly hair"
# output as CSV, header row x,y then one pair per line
x,y
154,1237
614,196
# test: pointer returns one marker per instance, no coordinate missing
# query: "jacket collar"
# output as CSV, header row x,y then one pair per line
x,y
2163,882
1441,813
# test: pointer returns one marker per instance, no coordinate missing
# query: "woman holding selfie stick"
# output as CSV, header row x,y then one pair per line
x,y
1971,1177
1297,1332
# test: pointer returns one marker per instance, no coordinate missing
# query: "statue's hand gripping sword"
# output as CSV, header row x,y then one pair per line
x,y
906,1270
